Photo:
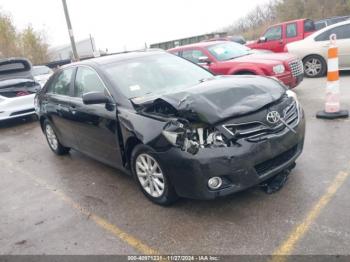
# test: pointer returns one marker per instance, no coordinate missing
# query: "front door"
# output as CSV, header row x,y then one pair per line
x,y
95,125
274,39
57,102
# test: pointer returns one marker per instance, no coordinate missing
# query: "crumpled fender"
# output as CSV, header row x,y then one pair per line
x,y
145,129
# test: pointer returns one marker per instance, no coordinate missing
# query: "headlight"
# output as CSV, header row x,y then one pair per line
x,y
178,134
278,69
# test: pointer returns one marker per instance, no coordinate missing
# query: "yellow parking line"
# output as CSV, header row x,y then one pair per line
x,y
101,222
288,245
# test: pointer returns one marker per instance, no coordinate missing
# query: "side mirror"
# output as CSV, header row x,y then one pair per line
x,y
204,60
92,98
262,39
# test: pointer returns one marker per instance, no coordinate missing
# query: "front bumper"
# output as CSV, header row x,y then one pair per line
x,y
241,166
289,80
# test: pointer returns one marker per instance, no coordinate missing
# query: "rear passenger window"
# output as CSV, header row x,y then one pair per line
x,y
61,84
87,80
342,32
309,26
291,30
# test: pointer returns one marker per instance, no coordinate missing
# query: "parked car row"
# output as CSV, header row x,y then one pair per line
x,y
199,121
313,49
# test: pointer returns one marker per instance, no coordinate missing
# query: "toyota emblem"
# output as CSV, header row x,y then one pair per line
x,y
273,117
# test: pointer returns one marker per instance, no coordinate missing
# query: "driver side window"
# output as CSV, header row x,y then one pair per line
x,y
87,80
273,33
61,84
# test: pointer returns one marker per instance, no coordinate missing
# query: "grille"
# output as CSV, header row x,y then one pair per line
x,y
256,131
297,67
277,161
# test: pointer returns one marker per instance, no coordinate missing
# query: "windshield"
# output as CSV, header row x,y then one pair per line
x,y
155,74
41,70
229,50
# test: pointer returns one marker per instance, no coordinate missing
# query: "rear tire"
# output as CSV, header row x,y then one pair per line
x,y
53,141
151,177
314,66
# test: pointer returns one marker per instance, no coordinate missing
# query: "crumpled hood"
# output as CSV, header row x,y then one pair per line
x,y
220,98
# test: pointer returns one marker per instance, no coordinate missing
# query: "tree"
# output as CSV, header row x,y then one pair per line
x,y
255,22
33,46
8,37
28,43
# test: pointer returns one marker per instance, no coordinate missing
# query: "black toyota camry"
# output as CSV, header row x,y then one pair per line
x,y
179,130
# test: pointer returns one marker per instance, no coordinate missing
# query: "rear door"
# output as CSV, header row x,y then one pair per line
x,y
58,102
343,42
95,126
291,33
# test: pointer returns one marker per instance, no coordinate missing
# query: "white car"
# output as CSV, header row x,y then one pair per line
x,y
17,88
313,49
41,74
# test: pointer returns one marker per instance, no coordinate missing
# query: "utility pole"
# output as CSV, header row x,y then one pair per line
x,y
70,31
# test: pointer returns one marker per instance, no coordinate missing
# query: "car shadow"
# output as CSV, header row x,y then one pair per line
x,y
18,121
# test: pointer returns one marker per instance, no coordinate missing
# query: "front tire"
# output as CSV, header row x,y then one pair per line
x,y
314,66
53,141
151,177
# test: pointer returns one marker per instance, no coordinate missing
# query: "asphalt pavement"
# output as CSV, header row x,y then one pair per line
x,y
76,205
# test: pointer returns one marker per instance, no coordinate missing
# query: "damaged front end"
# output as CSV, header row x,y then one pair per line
x,y
199,117
241,137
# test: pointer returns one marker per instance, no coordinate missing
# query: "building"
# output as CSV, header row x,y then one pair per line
x,y
86,48
185,41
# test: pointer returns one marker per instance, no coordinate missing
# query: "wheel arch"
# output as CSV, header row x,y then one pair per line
x,y
244,72
130,144
315,54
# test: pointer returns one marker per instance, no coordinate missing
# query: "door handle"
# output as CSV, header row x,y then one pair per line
x,y
72,109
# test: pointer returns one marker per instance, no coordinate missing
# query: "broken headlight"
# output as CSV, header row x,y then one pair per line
x,y
179,134
192,138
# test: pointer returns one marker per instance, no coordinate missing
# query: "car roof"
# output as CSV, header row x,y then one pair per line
x,y
291,21
109,59
200,44
317,33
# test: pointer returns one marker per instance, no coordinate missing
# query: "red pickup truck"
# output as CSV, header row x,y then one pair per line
x,y
229,58
277,36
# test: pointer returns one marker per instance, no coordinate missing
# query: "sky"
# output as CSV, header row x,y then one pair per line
x,y
120,25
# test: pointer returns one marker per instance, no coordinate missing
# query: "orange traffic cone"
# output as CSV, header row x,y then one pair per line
x,y
332,106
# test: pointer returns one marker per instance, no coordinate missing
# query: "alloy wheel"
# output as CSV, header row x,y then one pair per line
x,y
313,67
150,175
51,137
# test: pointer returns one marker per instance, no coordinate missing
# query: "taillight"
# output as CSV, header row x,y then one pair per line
x,y
22,93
